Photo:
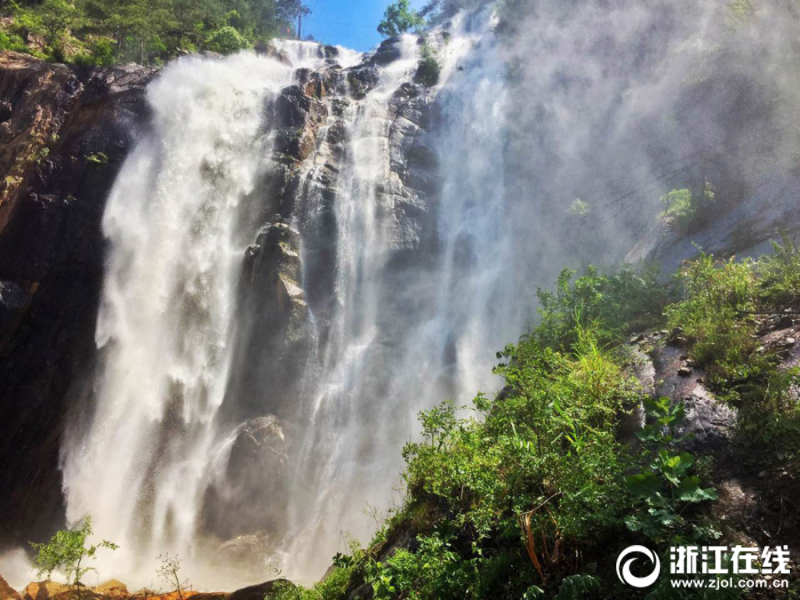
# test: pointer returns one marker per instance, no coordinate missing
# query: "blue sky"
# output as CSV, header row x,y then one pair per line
x,y
350,23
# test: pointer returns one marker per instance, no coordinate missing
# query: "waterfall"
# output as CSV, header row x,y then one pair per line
x,y
413,320
167,316
406,339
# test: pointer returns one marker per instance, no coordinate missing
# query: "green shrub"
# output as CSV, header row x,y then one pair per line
x,y
686,210
13,42
67,551
717,317
428,70
779,275
542,463
666,485
226,40
712,315
614,304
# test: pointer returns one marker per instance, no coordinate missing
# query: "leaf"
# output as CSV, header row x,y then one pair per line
x,y
634,522
690,491
643,484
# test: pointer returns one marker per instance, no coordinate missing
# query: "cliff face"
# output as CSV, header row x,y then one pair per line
x,y
63,135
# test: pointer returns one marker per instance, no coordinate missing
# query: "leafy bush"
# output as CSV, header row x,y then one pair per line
x,y
67,551
100,32
666,486
12,41
717,318
101,54
717,294
537,475
687,211
779,276
614,304
226,40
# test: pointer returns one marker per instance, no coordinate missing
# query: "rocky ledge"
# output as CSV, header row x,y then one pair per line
x,y
116,590
754,501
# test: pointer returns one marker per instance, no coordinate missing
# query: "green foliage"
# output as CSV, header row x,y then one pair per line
x,y
613,304
779,276
428,70
12,41
542,458
105,32
717,321
580,208
666,485
687,211
578,587
717,293
67,551
399,18
226,40
100,54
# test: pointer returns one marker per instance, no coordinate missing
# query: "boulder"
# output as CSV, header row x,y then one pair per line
x,y
389,51
262,590
112,589
43,590
7,592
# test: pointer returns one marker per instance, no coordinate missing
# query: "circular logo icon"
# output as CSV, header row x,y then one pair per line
x,y
625,575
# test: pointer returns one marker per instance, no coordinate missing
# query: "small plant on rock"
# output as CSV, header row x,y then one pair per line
x,y
665,486
67,551
170,571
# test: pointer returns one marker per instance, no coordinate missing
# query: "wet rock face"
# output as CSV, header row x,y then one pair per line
x,y
63,136
767,212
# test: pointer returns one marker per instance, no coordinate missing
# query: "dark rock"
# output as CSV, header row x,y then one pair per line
x,y
709,422
51,250
262,590
265,49
387,52
361,80
330,51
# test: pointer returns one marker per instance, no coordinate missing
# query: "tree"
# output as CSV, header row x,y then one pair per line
x,y
399,18
169,571
66,551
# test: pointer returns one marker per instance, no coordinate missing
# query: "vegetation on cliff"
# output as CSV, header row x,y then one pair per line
x,y
104,32
533,494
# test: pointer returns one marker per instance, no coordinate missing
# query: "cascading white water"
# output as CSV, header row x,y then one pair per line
x,y
332,477
166,321
381,368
